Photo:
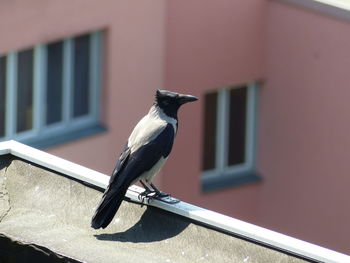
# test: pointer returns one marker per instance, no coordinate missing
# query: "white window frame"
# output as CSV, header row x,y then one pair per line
x,y
40,130
222,170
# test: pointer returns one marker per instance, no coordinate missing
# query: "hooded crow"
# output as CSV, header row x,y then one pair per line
x,y
145,153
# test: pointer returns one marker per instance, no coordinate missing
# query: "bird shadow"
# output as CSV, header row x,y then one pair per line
x,y
154,225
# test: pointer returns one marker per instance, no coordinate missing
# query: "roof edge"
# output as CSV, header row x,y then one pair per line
x,y
225,223
335,9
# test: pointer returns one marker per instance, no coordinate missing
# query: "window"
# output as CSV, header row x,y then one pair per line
x,y
229,137
2,95
24,100
50,93
54,80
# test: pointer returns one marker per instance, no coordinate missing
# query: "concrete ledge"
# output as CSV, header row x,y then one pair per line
x,y
51,212
82,200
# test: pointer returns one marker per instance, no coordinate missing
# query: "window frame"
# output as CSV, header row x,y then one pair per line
x,y
42,134
224,175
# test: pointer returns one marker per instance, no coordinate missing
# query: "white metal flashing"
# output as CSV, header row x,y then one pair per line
x,y
339,9
343,4
216,220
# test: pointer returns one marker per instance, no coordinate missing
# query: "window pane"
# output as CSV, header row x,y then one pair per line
x,y
54,83
25,90
81,92
210,113
237,126
2,95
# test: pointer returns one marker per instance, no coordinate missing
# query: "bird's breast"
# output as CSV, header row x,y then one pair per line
x,y
149,175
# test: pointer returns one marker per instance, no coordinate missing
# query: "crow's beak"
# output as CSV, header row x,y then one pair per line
x,y
186,98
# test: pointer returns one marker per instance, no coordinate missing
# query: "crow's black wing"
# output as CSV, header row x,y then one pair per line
x,y
129,168
144,158
120,163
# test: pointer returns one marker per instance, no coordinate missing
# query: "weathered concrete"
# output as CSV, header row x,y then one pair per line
x,y
49,210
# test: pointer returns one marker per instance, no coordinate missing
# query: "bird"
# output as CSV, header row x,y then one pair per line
x,y
146,151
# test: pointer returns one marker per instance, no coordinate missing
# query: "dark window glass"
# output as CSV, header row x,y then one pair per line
x,y
237,126
2,95
210,116
54,92
81,93
25,90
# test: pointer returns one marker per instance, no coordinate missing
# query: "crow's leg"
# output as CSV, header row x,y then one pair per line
x,y
158,192
147,189
145,193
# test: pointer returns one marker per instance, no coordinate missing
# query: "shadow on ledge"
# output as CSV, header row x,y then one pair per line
x,y
153,226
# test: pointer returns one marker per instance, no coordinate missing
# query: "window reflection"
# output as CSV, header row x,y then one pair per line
x,y
25,90
2,95
210,115
54,92
81,92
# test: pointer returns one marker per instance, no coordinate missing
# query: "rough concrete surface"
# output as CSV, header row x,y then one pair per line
x,y
41,207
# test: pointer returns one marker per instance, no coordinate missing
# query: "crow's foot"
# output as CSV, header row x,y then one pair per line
x,y
160,194
146,194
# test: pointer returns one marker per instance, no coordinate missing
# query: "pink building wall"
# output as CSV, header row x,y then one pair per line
x,y
133,61
302,58
304,126
194,46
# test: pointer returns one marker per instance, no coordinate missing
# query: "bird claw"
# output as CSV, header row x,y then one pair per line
x,y
160,195
146,194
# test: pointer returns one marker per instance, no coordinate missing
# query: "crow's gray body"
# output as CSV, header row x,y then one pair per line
x,y
145,153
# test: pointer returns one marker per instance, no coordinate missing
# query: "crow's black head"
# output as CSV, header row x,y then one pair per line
x,y
170,101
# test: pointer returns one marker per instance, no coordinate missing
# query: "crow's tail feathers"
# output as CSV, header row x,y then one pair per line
x,y
108,207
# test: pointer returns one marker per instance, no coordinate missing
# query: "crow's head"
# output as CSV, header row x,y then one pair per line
x,y
170,101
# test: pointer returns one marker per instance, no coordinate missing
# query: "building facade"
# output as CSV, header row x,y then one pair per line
x,y
266,142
